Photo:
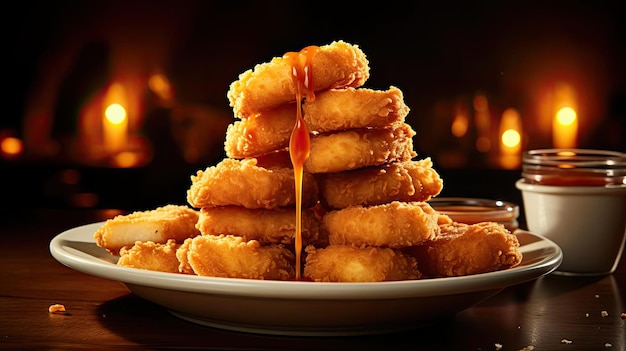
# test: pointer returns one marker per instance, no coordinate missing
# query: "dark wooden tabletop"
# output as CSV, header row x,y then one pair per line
x,y
551,313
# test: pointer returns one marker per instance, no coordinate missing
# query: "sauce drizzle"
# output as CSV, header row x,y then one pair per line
x,y
300,141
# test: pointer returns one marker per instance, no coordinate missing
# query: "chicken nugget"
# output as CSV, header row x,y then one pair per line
x,y
151,256
181,255
463,249
267,226
332,110
230,256
358,148
344,263
407,181
395,224
268,85
245,183
159,225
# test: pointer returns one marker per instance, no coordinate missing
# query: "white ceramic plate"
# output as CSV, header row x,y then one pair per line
x,y
305,308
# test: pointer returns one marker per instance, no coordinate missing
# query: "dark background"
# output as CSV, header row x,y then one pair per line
x,y
435,53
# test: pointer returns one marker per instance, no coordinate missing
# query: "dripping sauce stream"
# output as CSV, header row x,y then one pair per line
x,y
299,142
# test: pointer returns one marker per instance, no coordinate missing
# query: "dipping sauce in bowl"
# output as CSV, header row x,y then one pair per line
x,y
577,198
471,210
574,167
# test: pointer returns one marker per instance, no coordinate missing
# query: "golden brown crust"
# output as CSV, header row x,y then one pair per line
x,y
268,85
358,148
343,263
395,225
332,110
159,225
266,226
230,256
181,255
245,183
463,249
407,181
151,256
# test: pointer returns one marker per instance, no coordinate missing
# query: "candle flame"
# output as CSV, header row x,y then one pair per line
x,y
566,116
510,131
565,128
115,113
511,138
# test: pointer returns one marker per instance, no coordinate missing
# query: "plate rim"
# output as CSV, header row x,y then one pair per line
x,y
63,248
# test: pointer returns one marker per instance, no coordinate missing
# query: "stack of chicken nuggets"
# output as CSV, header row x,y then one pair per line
x,y
365,215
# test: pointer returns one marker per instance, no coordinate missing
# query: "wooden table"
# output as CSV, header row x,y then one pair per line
x,y
552,313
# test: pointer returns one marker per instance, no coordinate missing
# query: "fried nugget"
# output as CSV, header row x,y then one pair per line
x,y
245,183
230,256
159,225
332,110
407,181
268,85
151,256
463,249
344,263
266,226
358,148
395,225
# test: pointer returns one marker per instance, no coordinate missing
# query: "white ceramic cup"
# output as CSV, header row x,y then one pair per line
x,y
587,222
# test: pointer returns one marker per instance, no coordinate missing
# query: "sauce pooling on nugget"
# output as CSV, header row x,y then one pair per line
x,y
300,142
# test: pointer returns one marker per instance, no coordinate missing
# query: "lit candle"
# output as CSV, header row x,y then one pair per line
x,y
510,139
115,128
565,128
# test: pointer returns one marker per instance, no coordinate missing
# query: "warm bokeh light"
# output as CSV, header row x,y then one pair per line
x,y
482,122
566,116
127,159
511,138
11,147
115,113
565,128
162,89
115,132
460,124
510,133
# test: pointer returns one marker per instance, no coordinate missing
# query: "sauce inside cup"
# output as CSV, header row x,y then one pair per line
x,y
471,210
574,167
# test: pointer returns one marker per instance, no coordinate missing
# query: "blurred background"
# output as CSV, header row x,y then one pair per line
x,y
115,104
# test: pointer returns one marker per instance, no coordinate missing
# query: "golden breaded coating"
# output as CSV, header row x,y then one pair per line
x,y
358,148
267,226
261,133
151,256
343,263
159,225
407,181
181,255
245,183
332,110
395,225
268,85
463,249
230,256
352,108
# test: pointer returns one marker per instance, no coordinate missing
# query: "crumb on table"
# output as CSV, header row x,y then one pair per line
x,y
56,308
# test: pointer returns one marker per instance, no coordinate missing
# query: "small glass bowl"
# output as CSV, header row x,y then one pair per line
x,y
471,210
